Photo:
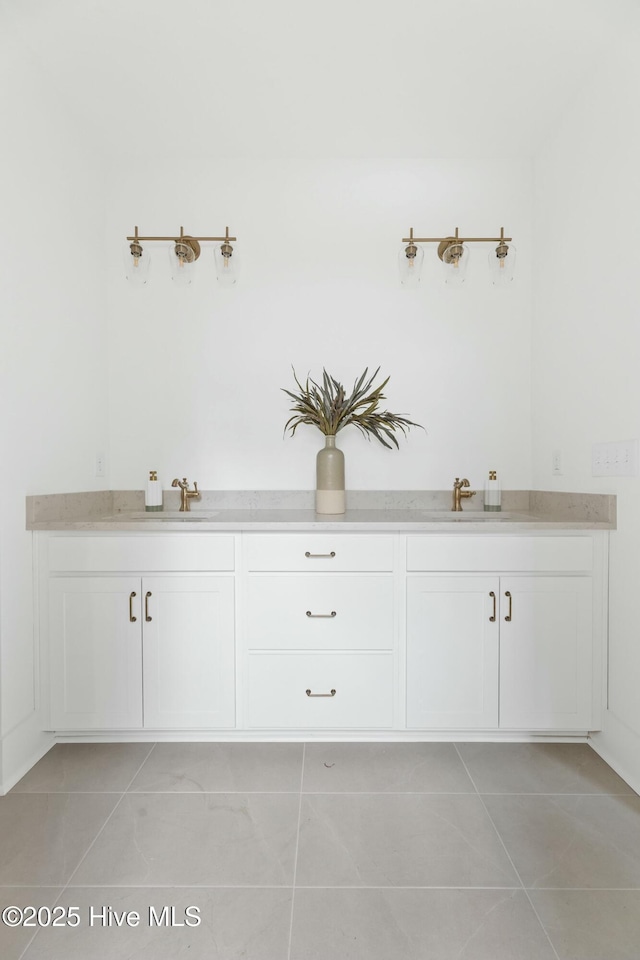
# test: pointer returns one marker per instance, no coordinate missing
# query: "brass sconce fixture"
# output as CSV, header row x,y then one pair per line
x,y
455,257
183,254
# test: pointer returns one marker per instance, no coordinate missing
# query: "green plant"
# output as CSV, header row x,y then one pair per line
x,y
327,407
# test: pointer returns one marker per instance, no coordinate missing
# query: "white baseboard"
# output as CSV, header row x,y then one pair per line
x,y
310,736
619,746
21,749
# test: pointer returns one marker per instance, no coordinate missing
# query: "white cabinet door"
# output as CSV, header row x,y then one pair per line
x,y
189,674
545,653
95,653
452,652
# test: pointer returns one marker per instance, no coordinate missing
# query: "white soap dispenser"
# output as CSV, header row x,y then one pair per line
x,y
492,494
153,495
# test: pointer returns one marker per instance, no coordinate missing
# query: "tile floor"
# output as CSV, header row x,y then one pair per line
x,y
333,851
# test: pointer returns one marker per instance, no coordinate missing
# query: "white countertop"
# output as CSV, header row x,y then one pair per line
x,y
273,520
385,510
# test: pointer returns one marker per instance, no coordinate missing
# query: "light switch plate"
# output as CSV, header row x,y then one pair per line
x,y
616,459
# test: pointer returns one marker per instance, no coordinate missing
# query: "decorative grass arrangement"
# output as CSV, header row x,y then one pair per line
x,y
327,407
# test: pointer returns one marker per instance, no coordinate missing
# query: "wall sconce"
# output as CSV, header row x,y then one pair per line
x,y
454,256
182,257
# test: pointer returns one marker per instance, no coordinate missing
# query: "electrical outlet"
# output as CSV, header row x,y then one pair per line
x,y
556,463
616,459
101,465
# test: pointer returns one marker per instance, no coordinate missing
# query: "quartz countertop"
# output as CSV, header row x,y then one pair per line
x,y
388,511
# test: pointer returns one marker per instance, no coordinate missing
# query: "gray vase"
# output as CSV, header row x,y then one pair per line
x,y
330,496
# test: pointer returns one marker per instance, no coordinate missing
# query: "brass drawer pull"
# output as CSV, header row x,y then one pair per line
x,y
132,619
322,616
146,606
320,556
309,694
510,598
493,597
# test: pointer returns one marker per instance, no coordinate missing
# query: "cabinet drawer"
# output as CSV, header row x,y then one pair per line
x,y
319,552
485,553
142,552
320,613
363,685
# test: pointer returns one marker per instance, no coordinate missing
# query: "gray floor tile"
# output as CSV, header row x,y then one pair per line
x,y
236,925
373,815
591,924
43,836
572,841
397,840
416,925
226,767
384,767
225,839
13,940
95,767
539,768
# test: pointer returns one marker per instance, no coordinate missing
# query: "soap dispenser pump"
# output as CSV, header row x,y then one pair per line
x,y
153,495
492,494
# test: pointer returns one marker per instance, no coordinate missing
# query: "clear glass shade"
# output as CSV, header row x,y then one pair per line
x,y
136,265
455,261
502,264
226,264
182,269
410,260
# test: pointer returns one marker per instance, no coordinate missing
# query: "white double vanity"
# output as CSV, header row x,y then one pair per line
x,y
275,624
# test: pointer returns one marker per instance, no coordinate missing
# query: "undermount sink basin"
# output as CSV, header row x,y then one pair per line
x,y
475,515
172,515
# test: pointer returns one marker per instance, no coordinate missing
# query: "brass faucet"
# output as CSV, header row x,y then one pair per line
x,y
458,492
186,495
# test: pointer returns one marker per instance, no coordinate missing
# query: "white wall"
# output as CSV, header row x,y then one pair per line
x,y
586,347
195,374
52,361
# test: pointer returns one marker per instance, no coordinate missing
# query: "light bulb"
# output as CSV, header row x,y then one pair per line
x,y
455,259
136,263
226,264
502,262
410,259
182,258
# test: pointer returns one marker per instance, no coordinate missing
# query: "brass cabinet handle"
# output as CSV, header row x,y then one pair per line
x,y
132,619
309,694
146,606
322,616
510,598
317,556
493,597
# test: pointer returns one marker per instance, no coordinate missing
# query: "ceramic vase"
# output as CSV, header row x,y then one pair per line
x,y
330,496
